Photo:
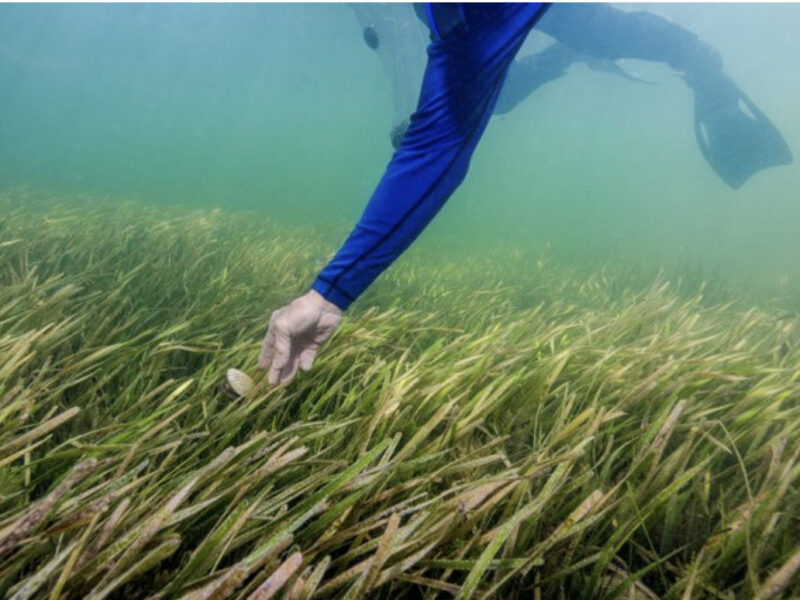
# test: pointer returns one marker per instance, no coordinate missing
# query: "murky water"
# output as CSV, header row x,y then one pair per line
x,y
287,110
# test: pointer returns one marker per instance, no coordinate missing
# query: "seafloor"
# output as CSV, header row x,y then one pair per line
x,y
503,427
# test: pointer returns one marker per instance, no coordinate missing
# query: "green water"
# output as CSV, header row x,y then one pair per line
x,y
537,402
283,109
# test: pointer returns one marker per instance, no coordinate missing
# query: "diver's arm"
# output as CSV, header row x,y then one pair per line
x,y
416,184
459,90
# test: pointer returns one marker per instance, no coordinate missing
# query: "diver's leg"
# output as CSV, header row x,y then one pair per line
x,y
464,74
736,142
602,31
529,73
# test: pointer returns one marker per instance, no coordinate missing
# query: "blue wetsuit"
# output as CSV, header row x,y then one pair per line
x,y
468,58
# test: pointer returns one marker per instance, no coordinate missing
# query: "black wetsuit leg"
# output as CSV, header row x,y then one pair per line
x,y
736,143
529,73
603,32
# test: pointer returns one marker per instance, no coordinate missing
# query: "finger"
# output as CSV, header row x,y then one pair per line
x,y
268,345
267,349
307,358
283,349
290,370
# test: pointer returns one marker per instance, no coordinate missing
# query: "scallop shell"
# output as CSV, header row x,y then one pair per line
x,y
237,383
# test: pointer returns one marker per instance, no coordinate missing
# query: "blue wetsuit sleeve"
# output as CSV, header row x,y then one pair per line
x,y
463,77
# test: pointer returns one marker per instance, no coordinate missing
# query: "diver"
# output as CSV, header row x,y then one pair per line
x,y
471,73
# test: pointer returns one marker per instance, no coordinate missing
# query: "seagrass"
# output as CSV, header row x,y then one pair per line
x,y
505,426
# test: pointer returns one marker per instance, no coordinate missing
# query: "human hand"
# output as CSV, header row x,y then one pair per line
x,y
294,335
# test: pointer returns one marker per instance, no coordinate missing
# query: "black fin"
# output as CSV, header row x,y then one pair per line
x,y
735,137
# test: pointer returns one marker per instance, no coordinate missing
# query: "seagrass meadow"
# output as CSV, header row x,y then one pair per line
x,y
487,429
